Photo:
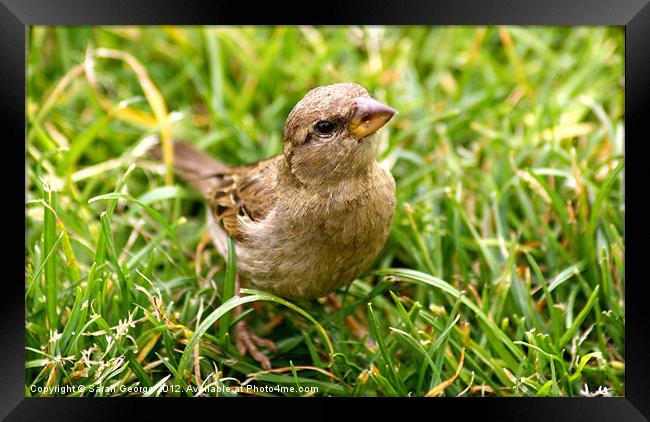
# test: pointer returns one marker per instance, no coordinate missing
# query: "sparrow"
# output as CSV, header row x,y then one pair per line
x,y
311,219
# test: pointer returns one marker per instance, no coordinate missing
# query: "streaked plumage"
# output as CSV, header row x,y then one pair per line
x,y
312,219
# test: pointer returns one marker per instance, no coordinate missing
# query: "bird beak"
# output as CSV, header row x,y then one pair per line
x,y
369,116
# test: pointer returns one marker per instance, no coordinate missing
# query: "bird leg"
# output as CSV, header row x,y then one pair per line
x,y
357,330
247,342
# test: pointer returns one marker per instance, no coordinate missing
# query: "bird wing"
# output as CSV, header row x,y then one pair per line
x,y
247,192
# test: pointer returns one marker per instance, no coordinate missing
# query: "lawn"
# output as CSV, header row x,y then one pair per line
x,y
504,272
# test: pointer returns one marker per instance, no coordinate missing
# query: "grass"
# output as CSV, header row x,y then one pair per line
x,y
504,272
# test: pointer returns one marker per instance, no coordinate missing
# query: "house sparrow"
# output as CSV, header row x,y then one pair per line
x,y
311,219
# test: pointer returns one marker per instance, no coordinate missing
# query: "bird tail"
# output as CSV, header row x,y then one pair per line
x,y
193,166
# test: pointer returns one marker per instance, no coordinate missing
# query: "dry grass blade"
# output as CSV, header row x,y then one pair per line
x,y
297,368
133,116
58,90
155,100
440,388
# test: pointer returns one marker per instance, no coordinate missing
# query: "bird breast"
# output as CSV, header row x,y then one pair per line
x,y
309,246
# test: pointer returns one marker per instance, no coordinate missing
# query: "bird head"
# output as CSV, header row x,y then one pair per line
x,y
330,134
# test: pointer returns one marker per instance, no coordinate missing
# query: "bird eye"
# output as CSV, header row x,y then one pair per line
x,y
324,127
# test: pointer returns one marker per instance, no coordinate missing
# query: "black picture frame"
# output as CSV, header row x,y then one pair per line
x,y
634,15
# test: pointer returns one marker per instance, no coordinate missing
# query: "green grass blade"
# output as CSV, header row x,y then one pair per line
x,y
49,242
573,329
229,286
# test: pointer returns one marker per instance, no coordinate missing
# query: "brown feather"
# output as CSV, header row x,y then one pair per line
x,y
193,166
309,220
248,192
